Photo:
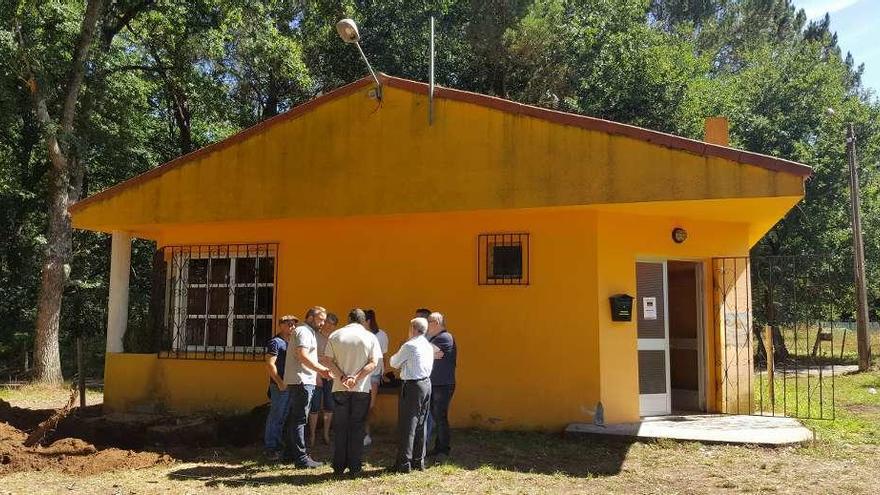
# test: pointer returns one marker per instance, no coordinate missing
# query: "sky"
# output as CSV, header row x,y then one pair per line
x,y
857,23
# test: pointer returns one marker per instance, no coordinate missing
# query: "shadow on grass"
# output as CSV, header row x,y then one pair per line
x,y
541,453
229,452
254,475
522,452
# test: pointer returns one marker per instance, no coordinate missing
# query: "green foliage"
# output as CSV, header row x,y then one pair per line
x,y
166,77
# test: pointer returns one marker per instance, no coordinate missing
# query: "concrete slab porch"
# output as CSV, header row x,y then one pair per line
x,y
710,428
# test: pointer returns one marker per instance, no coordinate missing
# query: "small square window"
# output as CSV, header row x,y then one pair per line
x,y
503,259
506,262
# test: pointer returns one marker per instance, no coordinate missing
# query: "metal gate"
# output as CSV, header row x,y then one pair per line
x,y
784,329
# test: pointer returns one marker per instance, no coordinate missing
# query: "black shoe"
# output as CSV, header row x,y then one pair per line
x,y
418,466
308,463
272,455
403,468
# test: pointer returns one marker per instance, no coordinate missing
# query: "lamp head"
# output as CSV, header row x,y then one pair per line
x,y
679,235
348,31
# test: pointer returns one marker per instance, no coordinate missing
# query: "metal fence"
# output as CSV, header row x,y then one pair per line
x,y
214,301
782,340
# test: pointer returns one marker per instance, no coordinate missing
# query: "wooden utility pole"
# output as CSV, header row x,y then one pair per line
x,y
864,344
79,371
771,365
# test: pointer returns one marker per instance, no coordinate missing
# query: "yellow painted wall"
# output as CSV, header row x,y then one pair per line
x,y
182,385
539,356
135,382
514,370
352,156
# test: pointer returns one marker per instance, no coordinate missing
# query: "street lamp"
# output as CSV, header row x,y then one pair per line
x,y
348,31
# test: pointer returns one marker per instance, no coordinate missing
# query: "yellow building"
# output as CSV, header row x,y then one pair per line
x,y
517,222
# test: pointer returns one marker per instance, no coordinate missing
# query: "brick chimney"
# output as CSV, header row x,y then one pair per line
x,y
717,131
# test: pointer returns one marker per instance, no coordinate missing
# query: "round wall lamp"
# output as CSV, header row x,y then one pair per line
x,y
679,235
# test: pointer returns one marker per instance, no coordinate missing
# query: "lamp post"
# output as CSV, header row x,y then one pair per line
x,y
348,31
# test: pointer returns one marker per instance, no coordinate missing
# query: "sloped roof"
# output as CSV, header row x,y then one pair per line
x,y
500,104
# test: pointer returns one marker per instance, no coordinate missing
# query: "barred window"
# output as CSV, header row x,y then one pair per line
x,y
220,298
503,259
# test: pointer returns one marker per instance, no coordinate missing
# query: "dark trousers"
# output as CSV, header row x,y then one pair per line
x,y
412,415
441,396
349,420
298,419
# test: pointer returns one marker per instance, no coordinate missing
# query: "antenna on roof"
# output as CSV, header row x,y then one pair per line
x,y
431,78
348,31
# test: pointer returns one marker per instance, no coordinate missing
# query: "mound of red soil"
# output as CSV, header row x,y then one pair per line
x,y
69,455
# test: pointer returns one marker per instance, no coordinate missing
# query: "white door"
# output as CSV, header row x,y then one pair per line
x,y
651,311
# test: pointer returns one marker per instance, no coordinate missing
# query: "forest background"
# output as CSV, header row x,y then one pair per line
x,y
94,92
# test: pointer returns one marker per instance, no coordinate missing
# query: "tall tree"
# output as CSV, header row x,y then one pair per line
x,y
66,171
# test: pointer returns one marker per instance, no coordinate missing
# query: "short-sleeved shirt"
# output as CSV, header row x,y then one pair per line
x,y
351,348
382,337
415,359
322,343
295,372
277,347
444,368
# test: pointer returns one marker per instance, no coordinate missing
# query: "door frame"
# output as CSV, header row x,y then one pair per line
x,y
656,404
702,328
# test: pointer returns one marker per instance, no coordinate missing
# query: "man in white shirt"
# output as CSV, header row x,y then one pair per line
x,y
352,353
415,359
302,368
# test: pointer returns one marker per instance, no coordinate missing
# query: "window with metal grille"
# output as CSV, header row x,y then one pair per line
x,y
503,259
219,300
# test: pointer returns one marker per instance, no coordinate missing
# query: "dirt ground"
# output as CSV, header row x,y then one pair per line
x,y
483,462
59,453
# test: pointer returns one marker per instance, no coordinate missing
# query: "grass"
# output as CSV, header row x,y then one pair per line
x,y
807,396
843,460
45,396
857,413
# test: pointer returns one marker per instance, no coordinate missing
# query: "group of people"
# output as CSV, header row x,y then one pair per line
x,y
315,367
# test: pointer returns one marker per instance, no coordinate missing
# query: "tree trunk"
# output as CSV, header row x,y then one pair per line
x,y
47,359
56,268
270,107
178,103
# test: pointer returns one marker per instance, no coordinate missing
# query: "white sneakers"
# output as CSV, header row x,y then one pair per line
x,y
368,440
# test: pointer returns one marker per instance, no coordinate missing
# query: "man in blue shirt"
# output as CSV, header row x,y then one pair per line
x,y
442,382
276,355
415,359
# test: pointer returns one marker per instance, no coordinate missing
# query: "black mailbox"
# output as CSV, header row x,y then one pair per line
x,y
621,307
